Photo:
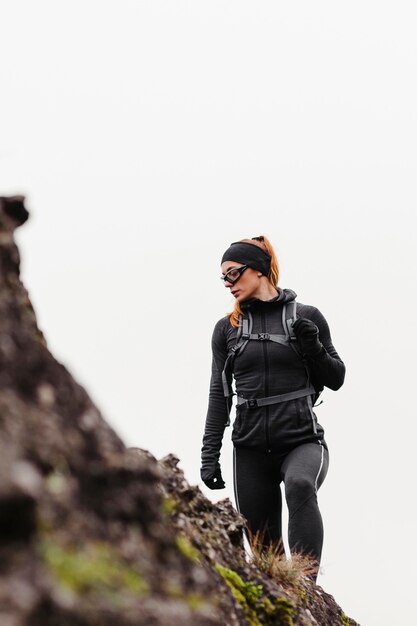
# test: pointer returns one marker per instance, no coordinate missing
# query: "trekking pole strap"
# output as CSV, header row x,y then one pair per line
x,y
282,397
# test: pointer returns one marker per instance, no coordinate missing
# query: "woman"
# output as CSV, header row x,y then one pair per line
x,y
280,367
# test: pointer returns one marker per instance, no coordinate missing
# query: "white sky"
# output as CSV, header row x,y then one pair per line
x,y
149,135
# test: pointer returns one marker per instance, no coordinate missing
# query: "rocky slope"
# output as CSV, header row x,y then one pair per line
x,y
93,533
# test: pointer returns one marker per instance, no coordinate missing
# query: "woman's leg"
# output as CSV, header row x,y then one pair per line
x,y
258,494
303,471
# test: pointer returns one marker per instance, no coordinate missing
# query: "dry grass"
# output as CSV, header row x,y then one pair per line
x,y
272,561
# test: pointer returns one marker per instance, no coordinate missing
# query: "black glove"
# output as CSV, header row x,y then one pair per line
x,y
213,480
307,335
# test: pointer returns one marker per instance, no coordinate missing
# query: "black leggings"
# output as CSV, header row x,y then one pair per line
x,y
257,478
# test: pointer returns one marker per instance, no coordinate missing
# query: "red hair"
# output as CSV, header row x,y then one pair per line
x,y
273,275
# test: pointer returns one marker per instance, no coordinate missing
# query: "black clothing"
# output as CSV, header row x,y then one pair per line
x,y
214,481
257,475
267,369
275,442
307,335
248,254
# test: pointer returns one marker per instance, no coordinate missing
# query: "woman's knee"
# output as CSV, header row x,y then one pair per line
x,y
298,489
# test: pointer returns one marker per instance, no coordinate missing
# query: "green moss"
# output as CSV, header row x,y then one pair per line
x,y
169,506
193,600
56,482
345,620
301,592
187,549
93,567
286,610
258,609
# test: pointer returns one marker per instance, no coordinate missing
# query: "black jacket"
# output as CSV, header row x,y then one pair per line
x,y
265,369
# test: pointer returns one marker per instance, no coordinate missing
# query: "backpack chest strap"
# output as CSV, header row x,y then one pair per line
x,y
282,339
282,397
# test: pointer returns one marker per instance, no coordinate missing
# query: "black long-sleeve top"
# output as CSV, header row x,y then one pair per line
x,y
266,369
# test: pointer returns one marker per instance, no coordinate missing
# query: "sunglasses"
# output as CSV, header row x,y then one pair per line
x,y
233,275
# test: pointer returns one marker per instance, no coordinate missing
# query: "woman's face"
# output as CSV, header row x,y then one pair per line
x,y
247,285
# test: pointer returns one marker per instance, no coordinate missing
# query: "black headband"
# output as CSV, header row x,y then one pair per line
x,y
248,254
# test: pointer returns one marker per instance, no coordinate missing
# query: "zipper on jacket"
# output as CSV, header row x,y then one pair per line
x,y
263,327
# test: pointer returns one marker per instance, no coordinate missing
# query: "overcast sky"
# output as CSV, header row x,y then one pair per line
x,y
149,135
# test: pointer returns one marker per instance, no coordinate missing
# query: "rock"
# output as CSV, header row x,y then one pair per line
x,y
95,534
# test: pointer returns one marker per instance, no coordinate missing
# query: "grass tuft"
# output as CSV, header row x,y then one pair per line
x,y
270,559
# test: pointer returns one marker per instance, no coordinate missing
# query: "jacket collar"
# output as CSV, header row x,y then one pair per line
x,y
284,295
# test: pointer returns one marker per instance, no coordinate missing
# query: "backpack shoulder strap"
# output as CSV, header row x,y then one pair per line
x,y
243,333
289,315
240,328
242,338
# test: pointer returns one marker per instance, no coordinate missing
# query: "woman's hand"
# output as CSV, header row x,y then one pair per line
x,y
307,335
213,481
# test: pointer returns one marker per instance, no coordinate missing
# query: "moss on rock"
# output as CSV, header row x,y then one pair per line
x,y
258,609
169,506
93,567
187,549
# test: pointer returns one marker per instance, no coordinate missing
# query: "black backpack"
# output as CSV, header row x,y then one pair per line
x,y
244,334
